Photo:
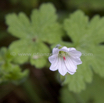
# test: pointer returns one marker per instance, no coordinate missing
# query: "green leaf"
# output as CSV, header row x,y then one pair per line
x,y
76,25
39,62
12,73
76,82
97,60
90,95
94,91
20,52
8,71
5,55
96,29
86,37
43,28
18,26
66,96
44,24
29,51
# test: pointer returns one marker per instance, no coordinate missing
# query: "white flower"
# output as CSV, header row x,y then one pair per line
x,y
65,60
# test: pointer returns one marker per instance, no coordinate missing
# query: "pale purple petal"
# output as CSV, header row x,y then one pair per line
x,y
54,65
65,49
71,72
53,58
67,62
70,49
77,61
71,67
61,67
55,50
74,53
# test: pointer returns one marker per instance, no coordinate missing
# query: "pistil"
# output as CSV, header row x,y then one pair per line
x,y
64,58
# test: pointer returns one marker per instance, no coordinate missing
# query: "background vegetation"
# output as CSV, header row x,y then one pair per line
x,y
30,27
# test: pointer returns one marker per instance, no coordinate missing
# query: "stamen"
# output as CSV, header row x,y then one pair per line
x,y
64,58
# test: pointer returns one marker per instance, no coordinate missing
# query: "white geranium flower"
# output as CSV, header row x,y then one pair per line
x,y
65,60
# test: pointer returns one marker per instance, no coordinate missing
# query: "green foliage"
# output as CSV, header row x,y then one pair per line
x,y
86,4
86,37
10,72
66,96
93,94
94,91
42,28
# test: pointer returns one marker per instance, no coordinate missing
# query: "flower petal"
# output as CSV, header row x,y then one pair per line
x,y
74,53
65,49
65,62
53,58
71,66
54,65
77,61
61,67
55,50
71,72
70,49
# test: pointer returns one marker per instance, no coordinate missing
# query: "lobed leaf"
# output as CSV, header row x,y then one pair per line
x,y
87,37
43,28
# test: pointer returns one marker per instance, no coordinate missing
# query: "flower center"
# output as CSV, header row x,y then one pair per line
x,y
62,54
